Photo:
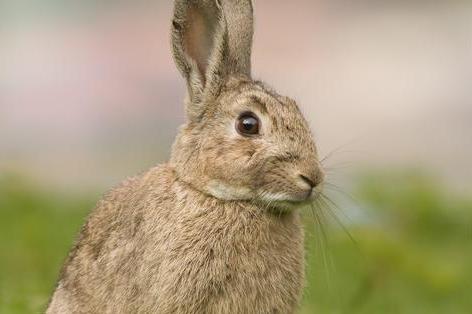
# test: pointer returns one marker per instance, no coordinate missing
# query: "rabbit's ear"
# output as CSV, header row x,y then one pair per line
x,y
211,39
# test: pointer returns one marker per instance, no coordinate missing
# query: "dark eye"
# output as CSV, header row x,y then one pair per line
x,y
247,124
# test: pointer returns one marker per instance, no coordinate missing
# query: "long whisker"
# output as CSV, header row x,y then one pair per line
x,y
337,150
329,206
336,188
322,241
337,165
335,206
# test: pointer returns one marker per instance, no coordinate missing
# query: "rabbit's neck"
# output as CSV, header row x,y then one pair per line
x,y
231,254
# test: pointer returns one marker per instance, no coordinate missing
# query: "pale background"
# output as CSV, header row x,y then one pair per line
x,y
89,93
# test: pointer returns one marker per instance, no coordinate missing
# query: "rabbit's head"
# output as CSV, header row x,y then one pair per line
x,y
242,140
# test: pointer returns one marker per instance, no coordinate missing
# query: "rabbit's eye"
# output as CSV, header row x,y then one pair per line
x,y
247,124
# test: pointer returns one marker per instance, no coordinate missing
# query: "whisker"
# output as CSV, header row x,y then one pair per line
x,y
337,166
335,188
335,206
326,201
337,150
322,242
323,217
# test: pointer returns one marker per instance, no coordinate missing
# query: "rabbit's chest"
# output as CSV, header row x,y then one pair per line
x,y
249,263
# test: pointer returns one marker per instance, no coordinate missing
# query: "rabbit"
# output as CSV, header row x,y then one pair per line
x,y
217,229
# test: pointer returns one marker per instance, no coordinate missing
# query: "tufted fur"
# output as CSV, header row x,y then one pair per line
x,y
217,229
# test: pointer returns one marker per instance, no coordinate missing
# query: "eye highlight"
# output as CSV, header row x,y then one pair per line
x,y
247,124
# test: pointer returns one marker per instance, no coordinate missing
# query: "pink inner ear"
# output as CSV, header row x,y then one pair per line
x,y
198,39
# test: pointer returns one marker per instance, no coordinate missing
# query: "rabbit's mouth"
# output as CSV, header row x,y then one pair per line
x,y
286,205
286,202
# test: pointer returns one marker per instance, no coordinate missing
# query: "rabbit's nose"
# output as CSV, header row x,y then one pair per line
x,y
313,179
310,182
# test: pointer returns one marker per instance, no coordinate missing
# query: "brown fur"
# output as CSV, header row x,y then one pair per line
x,y
217,229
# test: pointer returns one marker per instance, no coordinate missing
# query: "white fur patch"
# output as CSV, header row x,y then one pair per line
x,y
229,193
275,197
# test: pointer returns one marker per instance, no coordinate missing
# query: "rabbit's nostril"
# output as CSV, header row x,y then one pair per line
x,y
311,182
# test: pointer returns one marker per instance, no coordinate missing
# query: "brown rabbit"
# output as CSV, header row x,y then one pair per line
x,y
217,229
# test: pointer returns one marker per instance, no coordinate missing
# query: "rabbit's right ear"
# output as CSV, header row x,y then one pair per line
x,y
211,39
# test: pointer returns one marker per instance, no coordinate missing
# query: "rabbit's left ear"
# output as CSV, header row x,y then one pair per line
x,y
211,39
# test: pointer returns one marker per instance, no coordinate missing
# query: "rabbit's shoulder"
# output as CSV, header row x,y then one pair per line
x,y
124,209
127,203
116,237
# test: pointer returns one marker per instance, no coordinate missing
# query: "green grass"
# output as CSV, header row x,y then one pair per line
x,y
412,250
36,231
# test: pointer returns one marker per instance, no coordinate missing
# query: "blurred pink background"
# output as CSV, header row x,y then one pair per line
x,y
89,93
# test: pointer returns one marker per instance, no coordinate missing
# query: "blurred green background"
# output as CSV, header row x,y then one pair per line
x,y
410,252
89,95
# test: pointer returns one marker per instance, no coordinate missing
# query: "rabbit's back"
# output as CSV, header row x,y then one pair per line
x,y
155,245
